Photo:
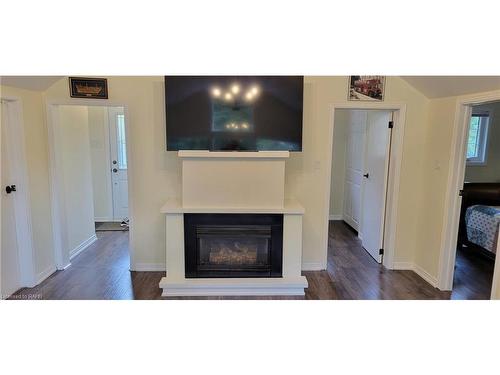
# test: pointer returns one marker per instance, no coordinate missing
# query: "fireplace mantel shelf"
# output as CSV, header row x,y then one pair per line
x,y
174,206
198,154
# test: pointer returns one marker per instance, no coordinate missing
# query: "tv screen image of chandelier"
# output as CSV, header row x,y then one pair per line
x,y
233,113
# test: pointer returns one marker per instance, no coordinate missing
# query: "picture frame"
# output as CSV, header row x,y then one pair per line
x,y
366,88
88,88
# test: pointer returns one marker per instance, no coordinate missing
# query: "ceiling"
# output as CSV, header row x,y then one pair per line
x,y
443,86
36,83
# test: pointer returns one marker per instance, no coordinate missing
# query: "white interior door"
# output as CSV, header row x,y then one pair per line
x,y
11,274
356,133
375,181
118,149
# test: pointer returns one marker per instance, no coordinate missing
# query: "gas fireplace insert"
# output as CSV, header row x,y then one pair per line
x,y
233,245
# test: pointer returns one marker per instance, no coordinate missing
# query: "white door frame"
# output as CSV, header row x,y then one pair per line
x,y
19,174
395,158
456,175
59,230
495,287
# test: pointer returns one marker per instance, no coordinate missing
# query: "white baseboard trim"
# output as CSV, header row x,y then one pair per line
x,y
403,266
103,219
313,266
336,217
84,245
44,274
148,267
234,287
425,275
409,266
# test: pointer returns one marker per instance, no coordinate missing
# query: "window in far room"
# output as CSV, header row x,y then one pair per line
x,y
478,139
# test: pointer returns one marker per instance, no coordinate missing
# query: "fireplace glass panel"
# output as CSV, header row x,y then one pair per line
x,y
233,247
234,252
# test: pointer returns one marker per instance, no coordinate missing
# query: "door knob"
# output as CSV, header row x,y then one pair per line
x,y
366,175
10,189
115,170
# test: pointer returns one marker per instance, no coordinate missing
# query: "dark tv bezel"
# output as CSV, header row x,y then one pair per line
x,y
217,150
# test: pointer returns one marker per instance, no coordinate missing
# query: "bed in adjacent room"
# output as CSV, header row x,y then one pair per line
x,y
482,223
480,217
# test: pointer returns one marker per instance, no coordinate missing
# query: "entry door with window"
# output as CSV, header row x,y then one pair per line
x,y
118,150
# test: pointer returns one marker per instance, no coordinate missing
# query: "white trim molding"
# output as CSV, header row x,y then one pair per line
x,y
403,266
45,274
234,287
83,246
495,287
313,266
409,266
336,217
455,181
425,275
106,219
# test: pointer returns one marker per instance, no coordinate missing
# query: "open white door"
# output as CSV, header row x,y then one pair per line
x,y
118,149
375,181
354,164
11,274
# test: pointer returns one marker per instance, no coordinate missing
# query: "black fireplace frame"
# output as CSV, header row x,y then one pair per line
x,y
191,253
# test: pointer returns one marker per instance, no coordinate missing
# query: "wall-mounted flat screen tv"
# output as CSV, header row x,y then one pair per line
x,y
234,113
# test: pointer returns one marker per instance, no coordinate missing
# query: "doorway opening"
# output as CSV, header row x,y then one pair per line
x,y
461,138
89,170
360,174
108,147
479,213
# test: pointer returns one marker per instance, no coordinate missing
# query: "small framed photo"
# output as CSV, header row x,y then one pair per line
x,y
89,88
366,88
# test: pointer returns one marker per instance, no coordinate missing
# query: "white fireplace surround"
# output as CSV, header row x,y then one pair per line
x,y
233,182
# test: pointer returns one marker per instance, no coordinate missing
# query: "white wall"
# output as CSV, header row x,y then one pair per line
x,y
76,173
491,171
100,162
154,173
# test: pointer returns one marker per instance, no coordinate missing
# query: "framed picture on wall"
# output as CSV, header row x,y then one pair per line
x,y
366,88
89,88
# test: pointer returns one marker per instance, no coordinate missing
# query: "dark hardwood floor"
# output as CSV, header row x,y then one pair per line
x,y
102,272
473,275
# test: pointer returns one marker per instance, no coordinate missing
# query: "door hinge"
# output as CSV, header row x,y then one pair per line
x,y
391,124
381,252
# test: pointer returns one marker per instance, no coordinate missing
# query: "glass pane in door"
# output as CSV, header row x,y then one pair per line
x,y
121,141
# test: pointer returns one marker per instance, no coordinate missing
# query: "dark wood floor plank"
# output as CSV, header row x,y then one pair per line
x,y
102,272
